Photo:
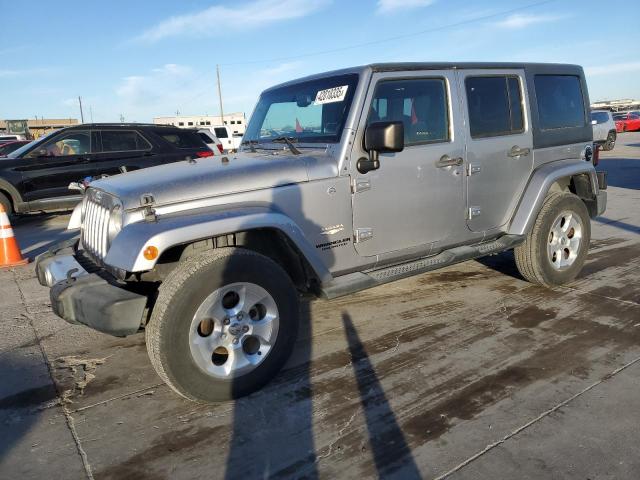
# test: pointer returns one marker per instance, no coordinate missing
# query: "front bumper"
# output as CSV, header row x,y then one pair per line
x,y
91,299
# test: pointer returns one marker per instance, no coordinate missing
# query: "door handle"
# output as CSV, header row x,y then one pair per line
x,y
516,151
447,161
83,159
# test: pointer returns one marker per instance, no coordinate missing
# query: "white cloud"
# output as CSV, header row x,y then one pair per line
x,y
163,90
521,20
21,73
387,6
257,13
613,68
280,69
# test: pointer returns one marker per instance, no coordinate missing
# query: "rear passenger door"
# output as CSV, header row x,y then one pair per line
x,y
499,144
121,148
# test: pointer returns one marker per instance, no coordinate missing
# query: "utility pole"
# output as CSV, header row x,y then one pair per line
x,y
91,112
121,118
220,94
81,114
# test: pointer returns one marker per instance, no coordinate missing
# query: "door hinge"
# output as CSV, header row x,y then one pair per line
x,y
360,185
363,234
474,212
473,169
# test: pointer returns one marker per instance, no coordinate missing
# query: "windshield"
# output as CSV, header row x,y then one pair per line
x,y
600,117
22,150
313,111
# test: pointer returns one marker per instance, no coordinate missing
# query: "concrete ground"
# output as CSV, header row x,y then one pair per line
x,y
468,372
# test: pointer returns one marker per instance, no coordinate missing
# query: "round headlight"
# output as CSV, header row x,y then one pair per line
x,y
115,222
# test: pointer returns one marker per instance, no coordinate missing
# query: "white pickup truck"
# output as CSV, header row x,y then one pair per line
x,y
230,141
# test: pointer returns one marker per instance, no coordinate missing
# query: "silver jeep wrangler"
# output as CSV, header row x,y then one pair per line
x,y
345,180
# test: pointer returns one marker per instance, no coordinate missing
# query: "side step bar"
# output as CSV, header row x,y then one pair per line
x,y
357,281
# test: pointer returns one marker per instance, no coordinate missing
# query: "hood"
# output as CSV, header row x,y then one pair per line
x,y
210,176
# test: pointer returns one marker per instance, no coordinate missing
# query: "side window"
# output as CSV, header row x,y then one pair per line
x,y
205,138
181,138
420,104
221,132
495,106
560,103
72,143
123,141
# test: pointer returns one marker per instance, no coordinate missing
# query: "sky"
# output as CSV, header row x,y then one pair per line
x,y
141,59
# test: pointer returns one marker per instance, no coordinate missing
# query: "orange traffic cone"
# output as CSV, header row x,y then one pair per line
x,y
10,255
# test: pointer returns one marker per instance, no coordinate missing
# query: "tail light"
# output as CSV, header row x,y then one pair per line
x,y
220,147
596,155
204,153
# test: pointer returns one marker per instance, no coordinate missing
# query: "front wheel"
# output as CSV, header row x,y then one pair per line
x,y
223,325
556,247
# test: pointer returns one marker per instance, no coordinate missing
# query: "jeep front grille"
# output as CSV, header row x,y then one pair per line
x,y
95,226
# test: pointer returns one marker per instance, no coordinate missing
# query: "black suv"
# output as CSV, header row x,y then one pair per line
x,y
36,177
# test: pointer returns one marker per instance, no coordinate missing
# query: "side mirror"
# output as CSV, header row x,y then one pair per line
x,y
381,137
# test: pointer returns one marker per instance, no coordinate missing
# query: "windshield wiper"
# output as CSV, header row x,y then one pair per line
x,y
289,141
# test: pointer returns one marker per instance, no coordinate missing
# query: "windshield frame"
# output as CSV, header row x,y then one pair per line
x,y
19,153
269,97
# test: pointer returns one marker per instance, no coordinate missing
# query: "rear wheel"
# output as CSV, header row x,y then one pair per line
x,y
610,143
224,324
556,247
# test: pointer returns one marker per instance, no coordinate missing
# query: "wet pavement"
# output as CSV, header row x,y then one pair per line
x,y
467,372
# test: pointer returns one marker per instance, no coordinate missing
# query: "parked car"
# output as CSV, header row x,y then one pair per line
x,y
627,122
604,129
36,176
346,180
230,142
211,140
8,147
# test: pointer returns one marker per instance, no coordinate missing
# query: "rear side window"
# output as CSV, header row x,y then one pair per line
x,y
205,138
123,141
600,117
495,106
420,104
221,132
181,138
560,102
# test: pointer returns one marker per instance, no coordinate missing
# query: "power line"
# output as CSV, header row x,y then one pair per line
x,y
382,40
397,37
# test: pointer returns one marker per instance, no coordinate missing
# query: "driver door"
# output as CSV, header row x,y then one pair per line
x,y
416,198
48,170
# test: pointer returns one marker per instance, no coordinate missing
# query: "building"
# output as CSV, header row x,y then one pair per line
x,y
39,126
616,105
236,121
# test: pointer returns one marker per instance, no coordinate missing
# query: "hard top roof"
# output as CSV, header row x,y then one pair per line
x,y
563,68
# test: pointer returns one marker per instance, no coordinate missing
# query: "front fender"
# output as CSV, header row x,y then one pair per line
x,y
127,249
538,187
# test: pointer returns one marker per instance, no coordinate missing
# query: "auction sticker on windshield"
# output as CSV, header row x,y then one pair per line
x,y
331,95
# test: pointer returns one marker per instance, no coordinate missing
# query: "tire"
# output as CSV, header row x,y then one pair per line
x,y
178,344
6,203
610,143
537,258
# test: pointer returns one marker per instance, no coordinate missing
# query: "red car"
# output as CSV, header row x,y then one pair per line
x,y
627,122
